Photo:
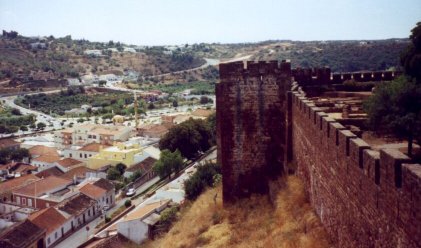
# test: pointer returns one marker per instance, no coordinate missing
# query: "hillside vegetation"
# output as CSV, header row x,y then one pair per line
x,y
254,222
66,57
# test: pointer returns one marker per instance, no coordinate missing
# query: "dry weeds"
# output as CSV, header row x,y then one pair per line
x,y
255,222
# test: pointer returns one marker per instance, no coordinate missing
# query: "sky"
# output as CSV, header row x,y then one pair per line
x,y
170,22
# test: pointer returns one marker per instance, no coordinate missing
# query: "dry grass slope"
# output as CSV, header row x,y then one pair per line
x,y
256,222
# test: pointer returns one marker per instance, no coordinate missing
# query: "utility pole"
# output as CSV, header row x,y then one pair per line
x,y
135,105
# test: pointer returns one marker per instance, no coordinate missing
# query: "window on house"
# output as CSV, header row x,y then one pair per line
x,y
85,155
89,212
55,235
80,155
48,240
30,202
23,201
18,200
70,155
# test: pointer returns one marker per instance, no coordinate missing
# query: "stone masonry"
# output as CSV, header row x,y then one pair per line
x,y
364,198
251,107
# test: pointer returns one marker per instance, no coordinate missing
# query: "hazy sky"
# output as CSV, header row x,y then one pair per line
x,y
158,22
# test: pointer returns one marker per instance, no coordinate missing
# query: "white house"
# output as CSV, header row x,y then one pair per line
x,y
56,223
137,224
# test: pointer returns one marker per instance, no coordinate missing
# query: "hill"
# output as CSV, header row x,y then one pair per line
x,y
287,221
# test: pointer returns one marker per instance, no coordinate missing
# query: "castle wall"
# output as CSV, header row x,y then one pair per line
x,y
251,113
319,76
364,198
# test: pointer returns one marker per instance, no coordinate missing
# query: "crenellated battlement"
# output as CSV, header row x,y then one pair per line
x,y
353,177
321,76
254,68
364,197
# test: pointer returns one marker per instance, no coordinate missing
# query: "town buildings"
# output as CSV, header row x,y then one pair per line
x,y
92,133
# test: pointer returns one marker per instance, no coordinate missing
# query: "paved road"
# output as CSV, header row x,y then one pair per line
x,y
40,117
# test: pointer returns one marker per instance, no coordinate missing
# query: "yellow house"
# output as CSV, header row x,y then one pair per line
x,y
119,153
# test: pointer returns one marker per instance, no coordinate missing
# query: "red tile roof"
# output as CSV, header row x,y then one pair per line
x,y
79,172
202,112
69,162
93,191
20,235
17,182
49,219
42,186
39,150
47,158
5,143
53,171
92,147
144,166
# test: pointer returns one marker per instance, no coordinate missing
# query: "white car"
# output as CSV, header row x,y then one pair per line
x,y
131,192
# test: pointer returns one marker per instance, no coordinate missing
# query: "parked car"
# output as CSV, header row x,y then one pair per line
x,y
131,192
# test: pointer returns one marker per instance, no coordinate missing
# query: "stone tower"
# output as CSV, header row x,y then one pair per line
x,y
251,107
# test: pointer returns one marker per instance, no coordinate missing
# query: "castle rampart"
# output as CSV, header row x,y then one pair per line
x,y
364,197
251,107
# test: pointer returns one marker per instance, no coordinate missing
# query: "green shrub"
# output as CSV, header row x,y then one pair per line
x,y
127,203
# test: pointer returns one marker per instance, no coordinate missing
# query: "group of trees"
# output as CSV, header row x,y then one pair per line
x,y
395,107
190,138
8,154
206,175
12,120
168,163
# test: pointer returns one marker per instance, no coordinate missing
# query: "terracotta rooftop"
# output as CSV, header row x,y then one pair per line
x,y
23,234
104,184
18,167
144,166
39,150
92,191
92,147
47,158
202,112
17,182
115,241
48,219
69,162
4,143
144,211
42,186
79,172
76,205
53,171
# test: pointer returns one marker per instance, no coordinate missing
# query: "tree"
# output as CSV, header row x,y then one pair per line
x,y
16,111
395,107
175,104
151,105
205,100
411,57
135,175
121,168
168,163
41,125
188,137
113,174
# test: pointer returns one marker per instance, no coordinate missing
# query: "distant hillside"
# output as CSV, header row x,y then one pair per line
x,y
57,58
65,57
340,56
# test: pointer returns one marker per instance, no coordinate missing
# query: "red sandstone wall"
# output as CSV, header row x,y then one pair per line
x,y
364,198
251,112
